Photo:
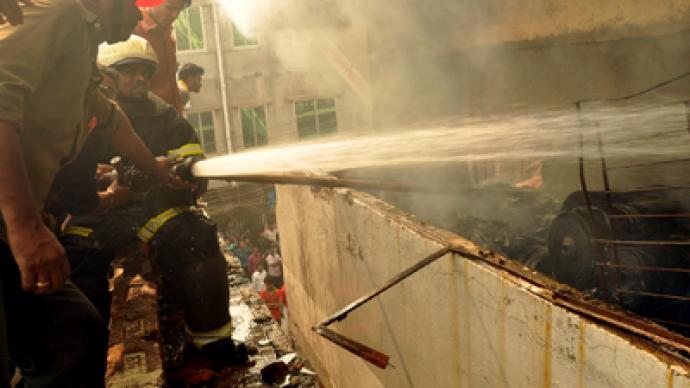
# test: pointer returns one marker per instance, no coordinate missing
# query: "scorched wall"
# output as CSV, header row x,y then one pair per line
x,y
456,323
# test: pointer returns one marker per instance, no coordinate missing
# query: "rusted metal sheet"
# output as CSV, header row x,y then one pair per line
x,y
373,356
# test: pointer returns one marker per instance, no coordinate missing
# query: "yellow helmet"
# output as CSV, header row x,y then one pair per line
x,y
134,50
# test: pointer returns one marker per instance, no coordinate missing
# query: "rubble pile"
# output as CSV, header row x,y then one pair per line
x,y
517,225
575,240
134,357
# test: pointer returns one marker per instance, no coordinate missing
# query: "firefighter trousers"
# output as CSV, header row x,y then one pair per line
x,y
184,247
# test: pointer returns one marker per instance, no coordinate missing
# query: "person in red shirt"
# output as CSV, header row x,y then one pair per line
x,y
156,27
274,299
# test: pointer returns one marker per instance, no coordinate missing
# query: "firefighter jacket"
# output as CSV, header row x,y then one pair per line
x,y
166,133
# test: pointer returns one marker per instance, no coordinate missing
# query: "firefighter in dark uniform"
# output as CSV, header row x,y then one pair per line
x,y
182,239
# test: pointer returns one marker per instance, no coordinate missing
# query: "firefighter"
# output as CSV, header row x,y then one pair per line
x,y
183,241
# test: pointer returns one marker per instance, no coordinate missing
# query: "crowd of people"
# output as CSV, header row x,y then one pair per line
x,y
259,255
91,134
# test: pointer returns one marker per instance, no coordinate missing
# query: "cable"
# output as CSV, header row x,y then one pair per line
x,y
645,91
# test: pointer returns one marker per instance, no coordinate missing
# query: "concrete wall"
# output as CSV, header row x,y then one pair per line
x,y
456,323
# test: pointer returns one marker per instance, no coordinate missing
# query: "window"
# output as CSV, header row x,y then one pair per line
x,y
189,30
254,131
316,117
243,40
203,125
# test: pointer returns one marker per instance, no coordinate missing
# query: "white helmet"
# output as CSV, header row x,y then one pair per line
x,y
134,50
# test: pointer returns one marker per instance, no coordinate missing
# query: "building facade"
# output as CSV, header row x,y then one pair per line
x,y
273,86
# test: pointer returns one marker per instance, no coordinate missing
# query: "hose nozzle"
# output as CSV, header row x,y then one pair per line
x,y
183,169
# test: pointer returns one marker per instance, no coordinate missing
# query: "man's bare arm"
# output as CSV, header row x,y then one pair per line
x,y
40,257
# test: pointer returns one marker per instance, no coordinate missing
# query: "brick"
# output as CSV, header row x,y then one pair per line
x,y
134,356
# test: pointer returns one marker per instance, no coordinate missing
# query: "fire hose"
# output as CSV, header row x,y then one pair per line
x,y
186,170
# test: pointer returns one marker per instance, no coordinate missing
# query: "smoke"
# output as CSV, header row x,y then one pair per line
x,y
489,86
245,14
408,61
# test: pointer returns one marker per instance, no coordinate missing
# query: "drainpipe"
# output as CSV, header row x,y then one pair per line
x,y
221,76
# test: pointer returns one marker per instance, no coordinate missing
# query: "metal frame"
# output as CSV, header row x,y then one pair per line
x,y
608,259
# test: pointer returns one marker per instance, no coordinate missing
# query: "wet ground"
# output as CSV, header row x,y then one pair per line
x,y
272,362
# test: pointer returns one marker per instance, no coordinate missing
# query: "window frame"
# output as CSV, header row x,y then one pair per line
x,y
200,131
234,28
266,117
316,116
203,32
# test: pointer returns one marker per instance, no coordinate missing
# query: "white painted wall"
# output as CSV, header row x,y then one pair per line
x,y
456,323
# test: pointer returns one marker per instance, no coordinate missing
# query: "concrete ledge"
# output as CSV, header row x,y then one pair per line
x,y
456,323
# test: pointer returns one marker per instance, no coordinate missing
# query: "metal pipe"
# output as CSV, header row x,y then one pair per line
x,y
609,202
221,76
601,276
342,313
373,356
583,179
358,349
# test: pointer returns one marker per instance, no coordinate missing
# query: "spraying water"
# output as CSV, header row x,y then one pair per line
x,y
630,132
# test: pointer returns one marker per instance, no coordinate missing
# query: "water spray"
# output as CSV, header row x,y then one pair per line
x,y
630,133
